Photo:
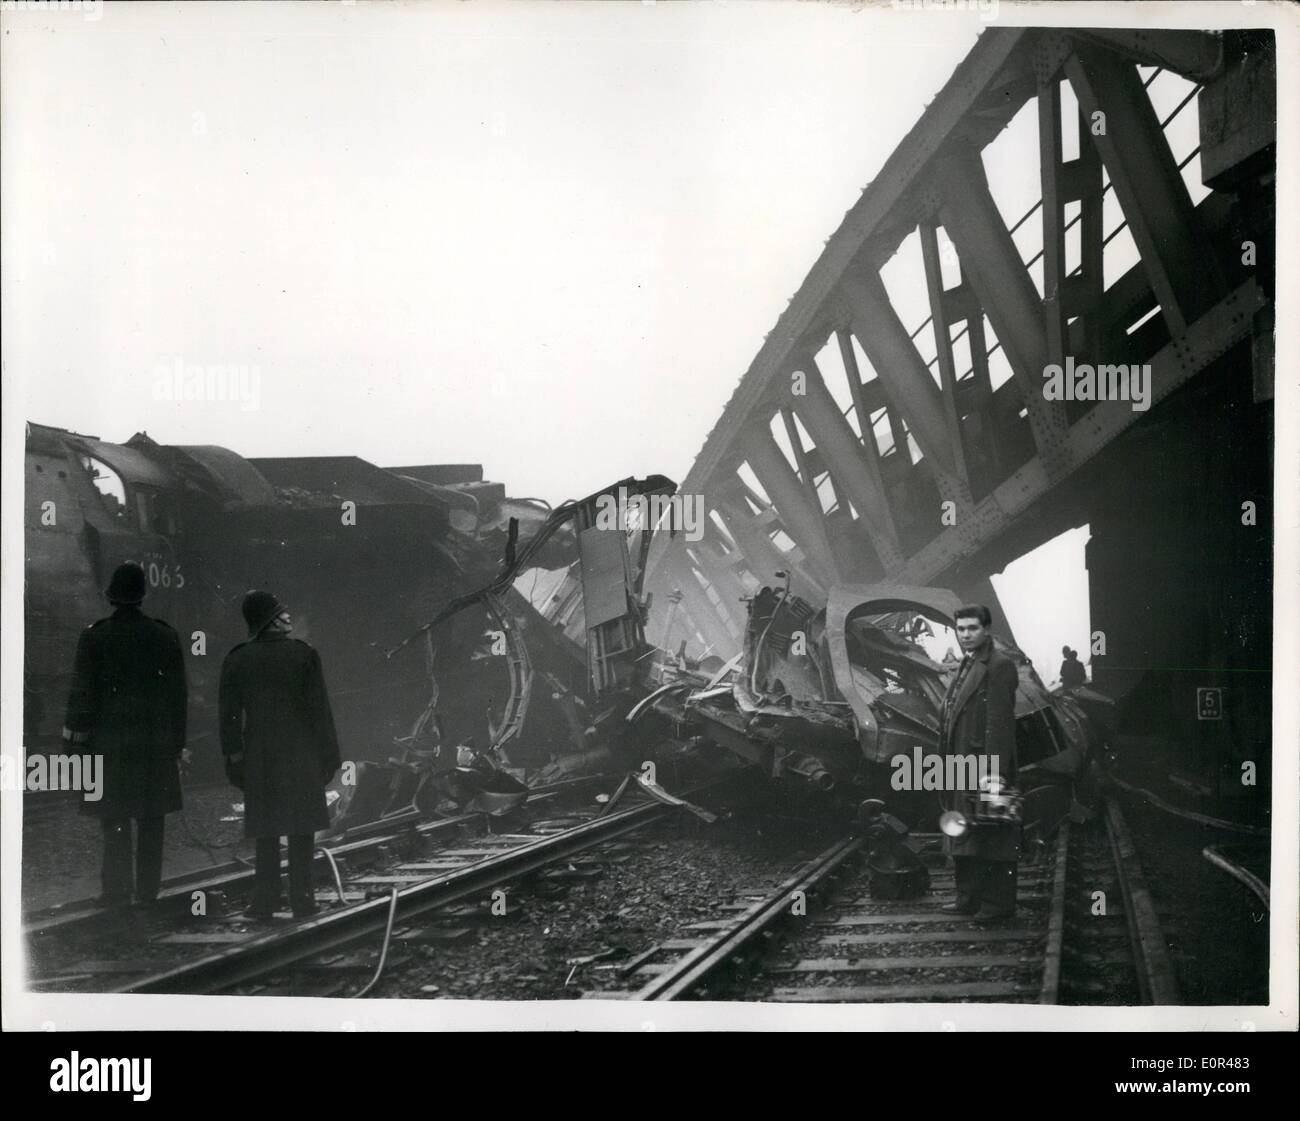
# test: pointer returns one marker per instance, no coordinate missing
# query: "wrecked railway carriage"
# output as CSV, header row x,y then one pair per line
x,y
847,698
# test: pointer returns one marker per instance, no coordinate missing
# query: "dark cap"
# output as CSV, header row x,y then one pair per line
x,y
127,587
259,609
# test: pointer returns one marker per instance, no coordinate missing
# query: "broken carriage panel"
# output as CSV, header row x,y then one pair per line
x,y
773,711
611,563
781,652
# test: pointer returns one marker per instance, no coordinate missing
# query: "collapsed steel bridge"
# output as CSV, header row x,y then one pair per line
x,y
861,446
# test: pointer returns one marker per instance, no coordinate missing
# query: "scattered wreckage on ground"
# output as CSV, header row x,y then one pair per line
x,y
569,648
835,699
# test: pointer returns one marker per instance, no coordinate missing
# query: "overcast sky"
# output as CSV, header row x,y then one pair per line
x,y
547,238
544,238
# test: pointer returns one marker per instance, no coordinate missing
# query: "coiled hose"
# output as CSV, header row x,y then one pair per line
x,y
1190,815
1214,854
383,953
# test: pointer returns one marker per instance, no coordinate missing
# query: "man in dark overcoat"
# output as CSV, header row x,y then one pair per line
x,y
127,706
277,735
979,718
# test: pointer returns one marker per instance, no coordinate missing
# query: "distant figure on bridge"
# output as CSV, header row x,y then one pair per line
x,y
127,705
1072,672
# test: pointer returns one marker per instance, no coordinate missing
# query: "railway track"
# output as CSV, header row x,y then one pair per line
x,y
821,937
233,877
1085,932
171,950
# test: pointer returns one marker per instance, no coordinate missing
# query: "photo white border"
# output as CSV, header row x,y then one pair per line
x,y
24,1011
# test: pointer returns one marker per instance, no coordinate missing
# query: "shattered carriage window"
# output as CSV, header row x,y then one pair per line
x,y
109,484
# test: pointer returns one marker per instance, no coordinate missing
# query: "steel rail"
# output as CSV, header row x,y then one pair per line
x,y
330,931
711,955
239,873
1050,991
234,873
1151,960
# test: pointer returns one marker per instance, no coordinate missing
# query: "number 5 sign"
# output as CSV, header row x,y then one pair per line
x,y
1209,704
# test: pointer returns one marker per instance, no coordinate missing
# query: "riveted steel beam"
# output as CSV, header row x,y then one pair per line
x,y
699,608
765,560
719,571
1147,183
1049,164
854,472
1181,359
801,519
902,371
943,343
807,473
724,548
1197,55
1078,180
861,405
991,261
868,397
